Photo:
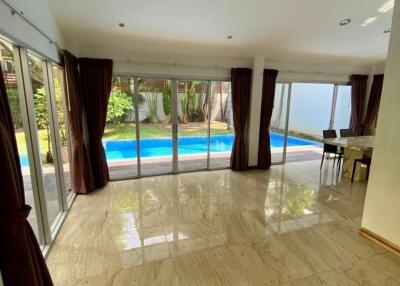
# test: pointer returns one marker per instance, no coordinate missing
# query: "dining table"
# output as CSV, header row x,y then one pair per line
x,y
355,147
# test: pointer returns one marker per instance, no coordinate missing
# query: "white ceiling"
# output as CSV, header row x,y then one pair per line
x,y
282,30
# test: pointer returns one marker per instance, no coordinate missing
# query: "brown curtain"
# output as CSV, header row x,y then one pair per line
x,y
267,104
96,77
373,103
358,93
21,260
241,89
81,172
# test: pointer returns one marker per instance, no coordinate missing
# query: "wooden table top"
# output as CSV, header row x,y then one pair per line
x,y
359,142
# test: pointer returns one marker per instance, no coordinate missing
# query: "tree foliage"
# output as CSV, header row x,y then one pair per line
x,y
167,100
41,108
13,101
42,120
120,105
193,103
150,94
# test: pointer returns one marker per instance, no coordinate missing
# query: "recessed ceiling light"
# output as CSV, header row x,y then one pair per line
x,y
369,21
345,22
229,37
121,25
386,7
387,31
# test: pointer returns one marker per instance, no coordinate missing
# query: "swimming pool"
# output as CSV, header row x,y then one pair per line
x,y
126,149
162,147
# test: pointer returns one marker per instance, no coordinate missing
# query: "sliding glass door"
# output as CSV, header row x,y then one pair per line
x,y
279,123
342,112
7,62
165,126
222,131
36,99
301,112
154,118
45,135
119,139
193,128
63,130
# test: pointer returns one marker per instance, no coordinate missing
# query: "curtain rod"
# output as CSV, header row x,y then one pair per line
x,y
288,71
21,14
173,64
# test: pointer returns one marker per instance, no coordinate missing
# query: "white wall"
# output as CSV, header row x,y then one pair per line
x,y
382,203
198,70
255,109
315,72
20,32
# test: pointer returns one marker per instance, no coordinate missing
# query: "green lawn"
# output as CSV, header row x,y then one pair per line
x,y
20,136
128,130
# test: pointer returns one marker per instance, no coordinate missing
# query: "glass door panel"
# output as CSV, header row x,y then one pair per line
x,y
310,114
343,108
119,139
155,127
221,125
310,108
9,74
63,126
278,122
44,130
192,113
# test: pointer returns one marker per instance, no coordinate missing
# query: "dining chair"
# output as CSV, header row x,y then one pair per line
x,y
346,133
366,161
331,149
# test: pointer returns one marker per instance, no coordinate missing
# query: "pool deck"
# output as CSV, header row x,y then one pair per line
x,y
120,169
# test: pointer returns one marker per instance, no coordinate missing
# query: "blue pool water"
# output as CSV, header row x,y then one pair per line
x,y
24,160
158,147
126,149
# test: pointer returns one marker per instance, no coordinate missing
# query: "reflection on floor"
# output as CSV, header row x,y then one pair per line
x,y
286,226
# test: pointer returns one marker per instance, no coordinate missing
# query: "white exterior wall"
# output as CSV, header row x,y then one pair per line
x,y
144,108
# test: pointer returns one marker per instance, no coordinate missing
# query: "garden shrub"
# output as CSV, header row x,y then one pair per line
x,y
119,106
13,101
167,101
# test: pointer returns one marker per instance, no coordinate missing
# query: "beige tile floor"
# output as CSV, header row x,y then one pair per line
x,y
287,226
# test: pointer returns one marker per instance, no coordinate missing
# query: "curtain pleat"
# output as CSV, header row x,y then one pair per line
x,y
373,103
81,171
96,78
21,260
358,93
241,89
267,105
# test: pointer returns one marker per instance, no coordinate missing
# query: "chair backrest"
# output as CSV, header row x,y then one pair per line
x,y
329,133
346,132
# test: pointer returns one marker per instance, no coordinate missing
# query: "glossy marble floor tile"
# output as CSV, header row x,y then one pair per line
x,y
291,225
